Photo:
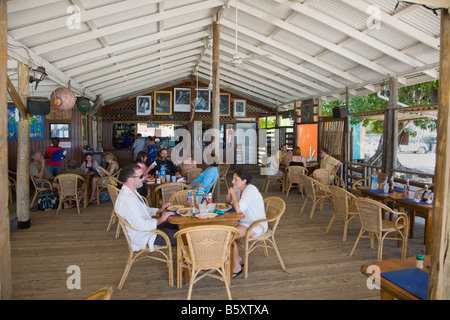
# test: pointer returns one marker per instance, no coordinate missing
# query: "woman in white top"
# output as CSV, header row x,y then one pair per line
x,y
247,199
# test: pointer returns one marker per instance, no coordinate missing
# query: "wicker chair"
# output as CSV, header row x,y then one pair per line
x,y
164,251
315,191
203,250
113,193
164,191
102,186
342,207
274,208
40,185
103,294
192,174
364,183
371,216
223,170
328,178
279,179
70,189
293,174
179,198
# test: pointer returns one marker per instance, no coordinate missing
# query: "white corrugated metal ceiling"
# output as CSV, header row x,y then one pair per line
x,y
297,49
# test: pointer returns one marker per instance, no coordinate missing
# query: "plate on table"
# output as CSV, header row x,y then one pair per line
x,y
185,212
175,207
223,206
206,215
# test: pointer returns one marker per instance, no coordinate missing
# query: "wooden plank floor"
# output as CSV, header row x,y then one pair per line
x,y
318,264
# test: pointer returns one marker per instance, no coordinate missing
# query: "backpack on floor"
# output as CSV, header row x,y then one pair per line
x,y
48,201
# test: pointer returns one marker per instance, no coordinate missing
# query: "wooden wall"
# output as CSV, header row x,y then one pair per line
x,y
75,152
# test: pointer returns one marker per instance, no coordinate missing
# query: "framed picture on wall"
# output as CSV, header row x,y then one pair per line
x,y
84,131
143,105
163,102
239,107
307,112
224,104
182,100
202,100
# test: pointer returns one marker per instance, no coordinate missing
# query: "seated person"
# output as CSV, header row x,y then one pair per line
x,y
188,164
72,167
206,178
170,166
89,165
247,199
151,150
328,162
130,206
274,165
297,159
38,168
113,168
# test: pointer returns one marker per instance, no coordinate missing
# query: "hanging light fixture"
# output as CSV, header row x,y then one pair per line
x,y
385,89
38,75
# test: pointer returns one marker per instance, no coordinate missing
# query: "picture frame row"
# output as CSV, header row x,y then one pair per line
x,y
161,103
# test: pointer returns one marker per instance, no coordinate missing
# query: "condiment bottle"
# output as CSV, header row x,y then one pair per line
x,y
419,261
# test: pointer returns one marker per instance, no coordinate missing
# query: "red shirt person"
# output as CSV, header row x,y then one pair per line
x,y
53,166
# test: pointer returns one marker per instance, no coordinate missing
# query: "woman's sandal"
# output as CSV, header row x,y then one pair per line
x,y
235,274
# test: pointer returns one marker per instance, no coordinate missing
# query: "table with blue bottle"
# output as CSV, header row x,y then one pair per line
x,y
413,208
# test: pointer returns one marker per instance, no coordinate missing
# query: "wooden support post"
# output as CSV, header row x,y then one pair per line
x,y
439,281
5,246
23,155
216,99
390,132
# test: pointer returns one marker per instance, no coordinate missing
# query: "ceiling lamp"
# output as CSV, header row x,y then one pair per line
x,y
38,75
83,105
62,99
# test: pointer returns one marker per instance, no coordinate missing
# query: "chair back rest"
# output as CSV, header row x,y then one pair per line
x,y
180,198
324,176
165,191
208,246
40,184
274,208
295,172
124,225
68,183
192,174
308,186
370,213
340,198
113,192
223,170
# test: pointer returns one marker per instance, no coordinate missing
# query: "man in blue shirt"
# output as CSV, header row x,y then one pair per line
x,y
206,178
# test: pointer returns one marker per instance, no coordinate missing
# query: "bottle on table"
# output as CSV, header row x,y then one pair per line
x,y
374,184
426,194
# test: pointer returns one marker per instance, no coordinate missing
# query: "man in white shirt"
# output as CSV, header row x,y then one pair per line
x,y
130,206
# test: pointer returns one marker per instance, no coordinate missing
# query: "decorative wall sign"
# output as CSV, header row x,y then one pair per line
x,y
36,125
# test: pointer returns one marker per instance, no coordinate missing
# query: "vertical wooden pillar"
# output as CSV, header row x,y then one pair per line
x,y
23,154
439,281
216,99
390,132
5,246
